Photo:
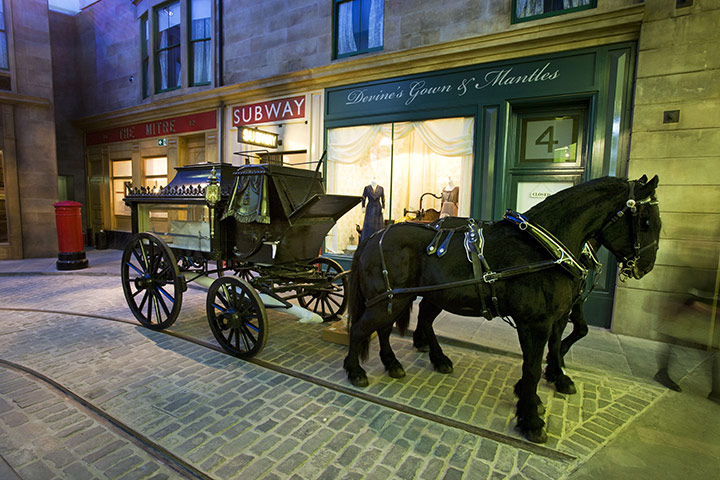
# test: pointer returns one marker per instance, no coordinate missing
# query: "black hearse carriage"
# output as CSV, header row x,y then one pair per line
x,y
263,223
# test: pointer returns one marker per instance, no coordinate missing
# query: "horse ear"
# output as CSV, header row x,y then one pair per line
x,y
642,179
648,188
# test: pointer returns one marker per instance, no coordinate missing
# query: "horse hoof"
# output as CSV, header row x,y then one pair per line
x,y
396,372
536,436
444,368
359,381
566,386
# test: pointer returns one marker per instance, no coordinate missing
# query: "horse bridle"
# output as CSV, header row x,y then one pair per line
x,y
627,264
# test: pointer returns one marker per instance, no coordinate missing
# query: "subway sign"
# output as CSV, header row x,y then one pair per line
x,y
256,137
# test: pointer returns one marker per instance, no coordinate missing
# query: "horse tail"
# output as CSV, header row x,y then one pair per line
x,y
356,301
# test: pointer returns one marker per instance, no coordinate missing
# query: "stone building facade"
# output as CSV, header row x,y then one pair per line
x,y
27,139
639,79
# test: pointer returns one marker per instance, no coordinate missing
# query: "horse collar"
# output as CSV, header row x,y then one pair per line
x,y
555,247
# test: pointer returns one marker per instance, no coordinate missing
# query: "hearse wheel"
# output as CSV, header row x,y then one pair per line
x,y
328,300
151,281
237,316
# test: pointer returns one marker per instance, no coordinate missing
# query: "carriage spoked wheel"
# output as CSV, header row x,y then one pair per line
x,y
327,300
237,316
151,281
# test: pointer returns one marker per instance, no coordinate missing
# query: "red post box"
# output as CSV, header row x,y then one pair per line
x,y
71,253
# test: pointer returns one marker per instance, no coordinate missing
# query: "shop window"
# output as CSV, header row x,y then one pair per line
x,y
200,42
168,65
524,10
155,172
121,173
408,160
358,26
4,58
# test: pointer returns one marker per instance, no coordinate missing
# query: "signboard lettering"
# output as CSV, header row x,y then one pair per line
x,y
463,86
253,136
272,111
160,128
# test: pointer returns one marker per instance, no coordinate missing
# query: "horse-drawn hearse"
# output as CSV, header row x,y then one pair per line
x,y
263,223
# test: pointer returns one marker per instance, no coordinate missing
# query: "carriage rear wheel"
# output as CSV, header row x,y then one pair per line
x,y
327,300
237,316
151,281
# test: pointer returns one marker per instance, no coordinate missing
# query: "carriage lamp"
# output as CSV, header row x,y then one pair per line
x,y
212,191
212,196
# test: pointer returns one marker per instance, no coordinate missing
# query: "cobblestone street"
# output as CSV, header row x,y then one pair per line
x,y
85,389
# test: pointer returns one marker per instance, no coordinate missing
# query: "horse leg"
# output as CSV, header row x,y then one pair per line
x,y
532,341
387,356
419,340
580,329
554,372
427,313
360,331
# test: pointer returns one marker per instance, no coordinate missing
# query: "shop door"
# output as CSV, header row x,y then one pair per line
x,y
96,185
548,152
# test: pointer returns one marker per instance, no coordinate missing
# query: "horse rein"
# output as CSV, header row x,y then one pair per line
x,y
627,263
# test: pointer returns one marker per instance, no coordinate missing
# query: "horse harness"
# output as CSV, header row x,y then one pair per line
x,y
482,273
474,244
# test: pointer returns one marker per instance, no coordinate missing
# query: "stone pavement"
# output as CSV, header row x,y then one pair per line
x,y
226,418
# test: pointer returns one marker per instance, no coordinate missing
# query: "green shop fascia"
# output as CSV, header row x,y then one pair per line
x,y
503,135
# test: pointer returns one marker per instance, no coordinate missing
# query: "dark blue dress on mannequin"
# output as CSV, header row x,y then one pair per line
x,y
375,198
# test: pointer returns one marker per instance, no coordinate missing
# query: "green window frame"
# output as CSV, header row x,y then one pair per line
x,y
168,49
527,10
145,54
199,42
358,27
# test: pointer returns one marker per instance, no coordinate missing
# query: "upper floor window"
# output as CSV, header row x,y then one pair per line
x,y
358,26
200,41
168,53
176,47
4,59
524,10
145,54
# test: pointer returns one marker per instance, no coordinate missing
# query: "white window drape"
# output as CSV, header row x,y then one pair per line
x,y
346,34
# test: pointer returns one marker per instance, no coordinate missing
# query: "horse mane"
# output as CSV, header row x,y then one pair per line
x,y
598,187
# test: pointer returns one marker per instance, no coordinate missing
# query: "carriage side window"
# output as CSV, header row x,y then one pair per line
x,y
525,10
121,173
358,26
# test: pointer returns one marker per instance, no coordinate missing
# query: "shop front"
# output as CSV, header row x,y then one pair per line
x,y
145,154
285,130
476,140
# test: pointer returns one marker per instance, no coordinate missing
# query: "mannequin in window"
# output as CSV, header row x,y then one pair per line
x,y
450,197
374,195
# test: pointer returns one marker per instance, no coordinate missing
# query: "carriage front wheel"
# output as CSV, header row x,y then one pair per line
x,y
328,299
237,316
151,281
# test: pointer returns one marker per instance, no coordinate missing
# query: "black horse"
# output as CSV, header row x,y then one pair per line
x,y
512,273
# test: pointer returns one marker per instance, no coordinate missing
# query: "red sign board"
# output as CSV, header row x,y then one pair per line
x,y
272,111
167,126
